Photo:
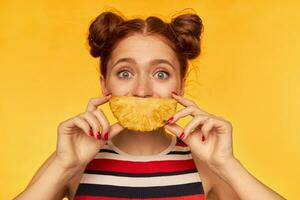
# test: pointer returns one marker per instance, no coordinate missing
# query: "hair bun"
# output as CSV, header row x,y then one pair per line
x,y
188,29
100,30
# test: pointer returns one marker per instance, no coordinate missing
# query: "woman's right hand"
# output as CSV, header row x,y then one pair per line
x,y
76,145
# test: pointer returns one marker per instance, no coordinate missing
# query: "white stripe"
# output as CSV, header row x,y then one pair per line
x,y
180,148
107,155
140,181
145,158
176,148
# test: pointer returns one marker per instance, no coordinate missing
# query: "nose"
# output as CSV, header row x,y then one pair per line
x,y
142,88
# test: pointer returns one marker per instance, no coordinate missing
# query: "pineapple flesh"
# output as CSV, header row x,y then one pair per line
x,y
142,114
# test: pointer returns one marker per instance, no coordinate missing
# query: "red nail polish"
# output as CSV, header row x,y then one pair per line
x,y
91,132
108,94
106,136
98,135
203,138
174,93
181,136
169,121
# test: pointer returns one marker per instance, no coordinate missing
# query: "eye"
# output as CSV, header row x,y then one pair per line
x,y
161,74
125,74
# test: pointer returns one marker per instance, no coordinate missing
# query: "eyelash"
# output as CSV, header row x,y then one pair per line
x,y
118,73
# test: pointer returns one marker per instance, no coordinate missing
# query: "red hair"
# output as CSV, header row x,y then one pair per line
x,y
182,34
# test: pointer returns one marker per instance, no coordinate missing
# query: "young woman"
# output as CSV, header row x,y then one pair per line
x,y
96,160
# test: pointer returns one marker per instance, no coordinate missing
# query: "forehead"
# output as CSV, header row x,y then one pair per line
x,y
143,49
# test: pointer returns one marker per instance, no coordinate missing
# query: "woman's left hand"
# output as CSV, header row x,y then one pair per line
x,y
216,149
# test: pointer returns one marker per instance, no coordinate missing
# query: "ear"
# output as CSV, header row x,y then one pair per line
x,y
103,85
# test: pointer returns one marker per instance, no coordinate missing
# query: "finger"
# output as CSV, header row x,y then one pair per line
x,y
207,127
174,129
95,102
220,126
103,121
186,102
115,129
81,123
183,101
196,122
93,123
190,110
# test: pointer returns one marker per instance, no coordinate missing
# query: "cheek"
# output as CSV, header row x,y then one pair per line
x,y
165,88
118,87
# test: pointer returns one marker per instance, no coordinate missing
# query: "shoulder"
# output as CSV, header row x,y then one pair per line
x,y
206,175
73,184
214,187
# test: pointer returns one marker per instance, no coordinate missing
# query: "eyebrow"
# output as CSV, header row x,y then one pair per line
x,y
152,62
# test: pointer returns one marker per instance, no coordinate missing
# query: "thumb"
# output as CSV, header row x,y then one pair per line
x,y
114,130
174,129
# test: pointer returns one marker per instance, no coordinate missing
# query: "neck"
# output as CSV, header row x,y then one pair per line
x,y
139,142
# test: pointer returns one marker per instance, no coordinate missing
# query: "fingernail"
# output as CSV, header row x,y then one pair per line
x,y
106,136
174,93
169,121
203,138
181,136
91,132
98,135
108,94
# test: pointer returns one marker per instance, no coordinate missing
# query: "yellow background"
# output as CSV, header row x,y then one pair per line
x,y
248,73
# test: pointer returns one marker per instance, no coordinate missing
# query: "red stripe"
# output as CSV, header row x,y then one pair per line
x,y
190,197
141,167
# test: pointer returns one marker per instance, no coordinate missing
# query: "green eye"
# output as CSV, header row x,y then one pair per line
x,y
126,73
161,74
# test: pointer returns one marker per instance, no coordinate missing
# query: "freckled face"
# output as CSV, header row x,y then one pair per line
x,y
142,66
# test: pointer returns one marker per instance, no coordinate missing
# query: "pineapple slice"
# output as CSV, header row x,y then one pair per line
x,y
142,114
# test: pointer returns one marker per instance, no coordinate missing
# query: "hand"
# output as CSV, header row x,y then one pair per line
x,y
216,149
81,137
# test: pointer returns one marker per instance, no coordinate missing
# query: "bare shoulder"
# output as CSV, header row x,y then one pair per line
x,y
215,188
73,184
206,175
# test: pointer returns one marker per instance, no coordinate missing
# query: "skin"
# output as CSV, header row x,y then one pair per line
x,y
208,136
142,79
79,137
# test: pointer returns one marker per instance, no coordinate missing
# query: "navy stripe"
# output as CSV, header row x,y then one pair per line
x,y
171,152
108,150
140,192
140,175
179,152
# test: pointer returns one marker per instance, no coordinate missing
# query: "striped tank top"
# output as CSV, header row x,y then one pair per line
x,y
113,174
